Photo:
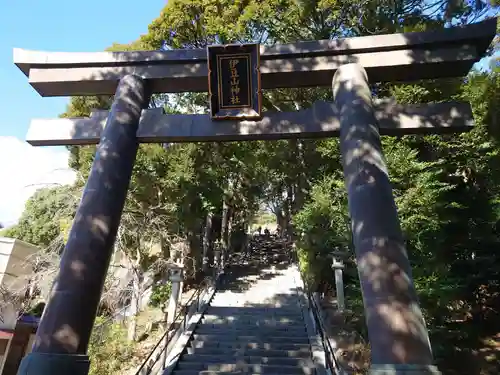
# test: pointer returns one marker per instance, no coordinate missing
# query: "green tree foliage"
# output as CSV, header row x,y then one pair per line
x,y
160,295
45,216
108,348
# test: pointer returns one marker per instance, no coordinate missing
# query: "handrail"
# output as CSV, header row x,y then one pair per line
x,y
164,339
331,359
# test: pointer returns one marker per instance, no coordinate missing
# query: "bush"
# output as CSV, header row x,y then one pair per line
x,y
109,349
160,294
324,224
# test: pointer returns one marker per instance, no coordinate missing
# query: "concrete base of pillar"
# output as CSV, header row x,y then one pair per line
x,y
403,370
50,364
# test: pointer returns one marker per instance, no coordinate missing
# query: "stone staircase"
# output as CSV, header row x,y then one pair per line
x,y
257,323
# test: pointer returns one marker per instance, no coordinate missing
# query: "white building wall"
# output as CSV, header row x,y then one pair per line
x,y
15,268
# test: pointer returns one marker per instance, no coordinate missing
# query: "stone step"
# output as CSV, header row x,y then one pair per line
x,y
244,314
227,307
246,368
298,353
231,358
210,372
240,308
236,300
258,338
241,333
249,330
288,301
233,345
273,301
248,311
233,318
253,320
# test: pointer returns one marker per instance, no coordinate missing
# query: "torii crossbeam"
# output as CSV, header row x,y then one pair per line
x,y
386,58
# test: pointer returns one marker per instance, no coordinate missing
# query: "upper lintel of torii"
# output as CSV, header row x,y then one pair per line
x,y
394,57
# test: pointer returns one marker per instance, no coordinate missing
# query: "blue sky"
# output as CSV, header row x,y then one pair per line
x,y
50,25
57,25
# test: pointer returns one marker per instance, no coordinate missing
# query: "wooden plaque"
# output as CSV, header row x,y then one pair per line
x,y
234,81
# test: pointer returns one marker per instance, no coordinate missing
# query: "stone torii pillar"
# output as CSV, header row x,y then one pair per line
x,y
398,337
63,334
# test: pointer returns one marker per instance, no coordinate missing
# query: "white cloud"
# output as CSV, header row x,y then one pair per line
x,y
23,170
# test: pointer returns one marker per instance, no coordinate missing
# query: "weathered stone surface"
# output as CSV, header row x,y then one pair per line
x,y
395,57
395,323
69,316
321,120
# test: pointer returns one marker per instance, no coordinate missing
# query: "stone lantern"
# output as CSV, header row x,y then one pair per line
x,y
175,276
338,257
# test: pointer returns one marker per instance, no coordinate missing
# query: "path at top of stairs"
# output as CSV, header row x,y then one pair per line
x,y
266,277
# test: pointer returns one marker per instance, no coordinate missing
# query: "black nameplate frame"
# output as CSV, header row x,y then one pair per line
x,y
234,81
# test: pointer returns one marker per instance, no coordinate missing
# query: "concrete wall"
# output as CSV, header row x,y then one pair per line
x,y
8,314
6,245
15,268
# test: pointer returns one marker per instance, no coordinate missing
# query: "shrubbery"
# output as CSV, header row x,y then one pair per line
x,y
109,349
160,295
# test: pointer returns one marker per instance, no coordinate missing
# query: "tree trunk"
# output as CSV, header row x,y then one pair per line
x,y
288,210
206,241
134,304
301,179
281,221
225,223
230,225
165,249
193,260
246,228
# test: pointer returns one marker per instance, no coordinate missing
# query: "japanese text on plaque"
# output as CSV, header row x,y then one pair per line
x,y
235,82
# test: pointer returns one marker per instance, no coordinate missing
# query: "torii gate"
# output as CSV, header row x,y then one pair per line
x,y
400,343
